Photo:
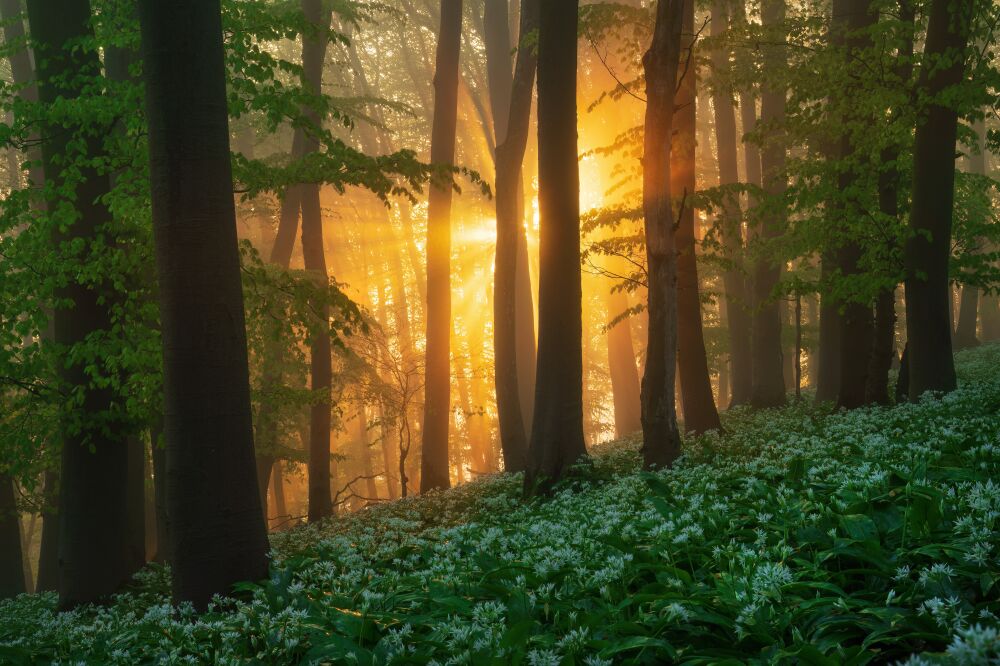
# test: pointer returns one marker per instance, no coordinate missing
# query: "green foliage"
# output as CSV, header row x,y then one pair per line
x,y
800,536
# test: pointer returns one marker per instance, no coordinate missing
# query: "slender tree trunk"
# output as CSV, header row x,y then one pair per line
x,y
434,466
159,455
217,530
660,435
928,250
557,440
768,376
93,524
968,318
734,281
624,375
48,550
700,413
512,108
12,580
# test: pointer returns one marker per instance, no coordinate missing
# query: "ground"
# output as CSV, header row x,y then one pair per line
x,y
798,536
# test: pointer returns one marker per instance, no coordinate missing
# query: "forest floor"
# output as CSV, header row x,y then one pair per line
x,y
799,536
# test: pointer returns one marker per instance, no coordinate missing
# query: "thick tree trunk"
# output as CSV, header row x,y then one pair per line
x,y
700,413
434,469
218,535
557,430
621,364
928,250
511,109
661,439
856,325
93,524
768,377
734,279
12,581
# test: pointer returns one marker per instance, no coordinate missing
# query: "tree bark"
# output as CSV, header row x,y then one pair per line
x,y
928,250
12,581
768,376
509,313
557,430
700,413
48,550
661,438
856,324
314,254
217,530
734,279
434,466
93,523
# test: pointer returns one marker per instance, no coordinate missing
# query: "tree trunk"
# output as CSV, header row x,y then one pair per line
x,y
159,455
511,110
218,535
734,280
768,376
557,430
48,550
966,334
856,324
12,581
928,250
700,413
621,364
660,436
434,472
93,527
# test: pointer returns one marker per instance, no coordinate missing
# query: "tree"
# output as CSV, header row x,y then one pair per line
x,y
557,429
93,518
625,387
512,139
321,369
661,438
700,414
854,18
768,377
216,523
434,469
928,250
734,280
11,557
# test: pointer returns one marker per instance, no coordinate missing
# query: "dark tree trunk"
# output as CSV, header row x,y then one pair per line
x,y
314,254
557,430
511,110
828,356
434,467
700,413
218,536
93,523
48,551
928,250
856,325
621,364
159,455
768,374
734,280
661,442
12,581
884,340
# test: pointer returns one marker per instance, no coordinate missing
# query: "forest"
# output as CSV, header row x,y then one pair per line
x,y
542,332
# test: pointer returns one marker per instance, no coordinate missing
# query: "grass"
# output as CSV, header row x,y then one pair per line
x,y
801,536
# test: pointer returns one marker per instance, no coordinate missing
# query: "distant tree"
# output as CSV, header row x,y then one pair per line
x,y
93,517
557,428
217,527
928,250
11,558
768,377
661,438
434,466
736,295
